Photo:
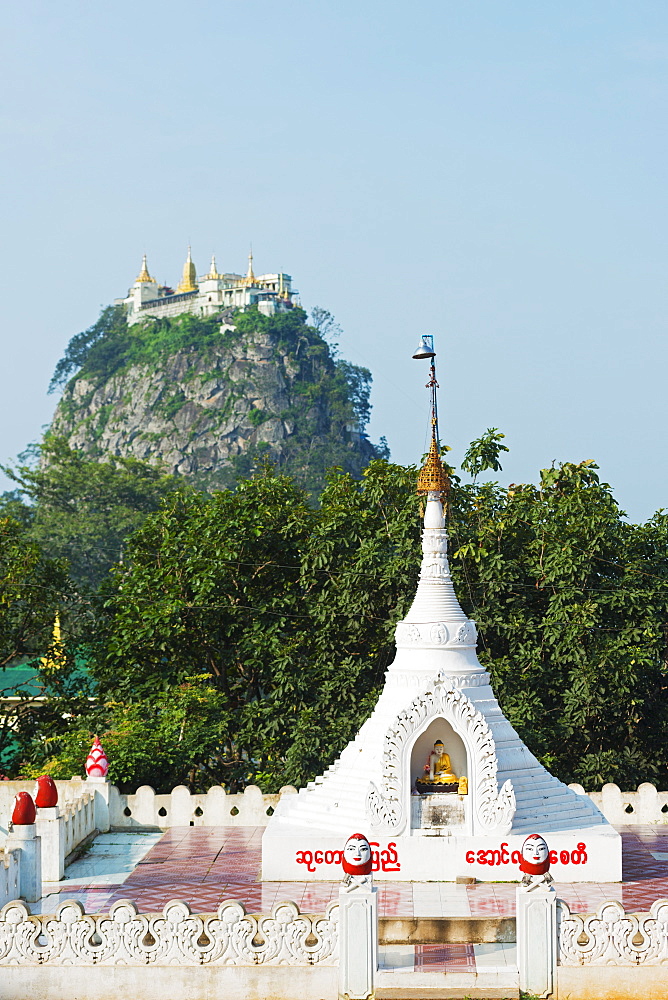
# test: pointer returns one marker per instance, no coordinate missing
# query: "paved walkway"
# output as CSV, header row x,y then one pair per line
x,y
204,865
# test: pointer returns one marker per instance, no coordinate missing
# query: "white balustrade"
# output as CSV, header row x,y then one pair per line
x,y
124,937
181,808
646,806
78,820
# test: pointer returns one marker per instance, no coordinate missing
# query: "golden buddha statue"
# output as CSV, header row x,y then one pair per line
x,y
441,777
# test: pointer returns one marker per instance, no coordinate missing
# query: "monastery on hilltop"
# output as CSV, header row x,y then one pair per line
x,y
208,294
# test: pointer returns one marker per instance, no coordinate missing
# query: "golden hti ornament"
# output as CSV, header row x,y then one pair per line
x,y
433,478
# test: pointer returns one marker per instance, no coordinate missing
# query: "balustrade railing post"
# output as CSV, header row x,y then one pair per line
x,y
358,943
100,788
537,939
50,827
24,839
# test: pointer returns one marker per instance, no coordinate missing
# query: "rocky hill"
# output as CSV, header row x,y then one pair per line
x,y
211,398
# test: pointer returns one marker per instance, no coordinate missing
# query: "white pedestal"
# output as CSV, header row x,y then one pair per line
x,y
358,943
50,828
25,840
101,788
537,940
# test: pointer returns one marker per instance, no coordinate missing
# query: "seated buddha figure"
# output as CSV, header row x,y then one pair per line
x,y
440,772
440,776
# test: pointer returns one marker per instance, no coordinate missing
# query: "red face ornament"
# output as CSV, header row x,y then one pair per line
x,y
357,855
46,793
535,856
23,813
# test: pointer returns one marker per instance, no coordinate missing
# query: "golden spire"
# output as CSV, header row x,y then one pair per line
x,y
213,272
55,660
143,274
250,277
188,282
433,478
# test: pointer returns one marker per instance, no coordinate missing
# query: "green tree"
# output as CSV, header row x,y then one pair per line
x,y
32,589
176,739
484,452
572,607
110,328
82,510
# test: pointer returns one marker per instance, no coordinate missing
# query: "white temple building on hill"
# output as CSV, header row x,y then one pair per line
x,y
209,294
438,812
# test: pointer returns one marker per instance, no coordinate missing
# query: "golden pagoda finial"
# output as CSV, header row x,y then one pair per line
x,y
250,277
188,282
433,478
56,659
143,274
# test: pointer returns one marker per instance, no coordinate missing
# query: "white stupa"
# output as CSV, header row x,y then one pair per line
x,y
436,690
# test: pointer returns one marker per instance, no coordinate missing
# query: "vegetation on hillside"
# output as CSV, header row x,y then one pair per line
x,y
325,398
245,636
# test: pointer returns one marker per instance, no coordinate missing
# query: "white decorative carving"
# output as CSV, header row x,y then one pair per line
x,y
493,809
613,937
439,633
435,542
175,937
466,634
475,679
407,633
472,678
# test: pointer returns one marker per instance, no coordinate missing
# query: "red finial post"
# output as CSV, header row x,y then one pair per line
x,y
46,793
97,764
23,813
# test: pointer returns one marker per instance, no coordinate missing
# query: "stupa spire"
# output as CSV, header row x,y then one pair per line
x,y
213,270
143,274
435,603
188,282
250,277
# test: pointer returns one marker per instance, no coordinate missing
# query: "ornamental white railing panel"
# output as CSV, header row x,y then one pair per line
x,y
647,805
181,808
78,821
124,937
9,876
611,936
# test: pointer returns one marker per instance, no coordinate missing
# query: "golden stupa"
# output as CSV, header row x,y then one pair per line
x,y
143,274
188,282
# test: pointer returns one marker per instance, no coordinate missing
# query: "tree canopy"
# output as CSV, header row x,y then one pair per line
x,y
81,510
245,635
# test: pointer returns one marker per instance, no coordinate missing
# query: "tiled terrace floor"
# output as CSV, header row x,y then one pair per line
x,y
204,865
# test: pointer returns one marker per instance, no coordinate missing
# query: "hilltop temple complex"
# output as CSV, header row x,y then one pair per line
x,y
207,294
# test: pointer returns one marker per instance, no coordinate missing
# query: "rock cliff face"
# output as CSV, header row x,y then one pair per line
x,y
210,411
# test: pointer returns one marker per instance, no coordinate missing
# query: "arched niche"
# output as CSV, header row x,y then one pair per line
x,y
438,729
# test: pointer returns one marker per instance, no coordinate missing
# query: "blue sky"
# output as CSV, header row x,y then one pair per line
x,y
490,173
